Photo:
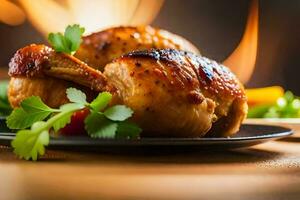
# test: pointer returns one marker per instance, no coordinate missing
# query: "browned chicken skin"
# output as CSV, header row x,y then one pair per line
x,y
173,93
101,48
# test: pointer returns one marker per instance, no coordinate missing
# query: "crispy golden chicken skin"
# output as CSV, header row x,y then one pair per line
x,y
100,48
173,93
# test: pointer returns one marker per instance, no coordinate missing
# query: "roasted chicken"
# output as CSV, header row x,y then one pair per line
x,y
173,93
96,50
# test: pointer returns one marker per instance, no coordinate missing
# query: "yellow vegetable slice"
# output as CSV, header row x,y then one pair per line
x,y
266,95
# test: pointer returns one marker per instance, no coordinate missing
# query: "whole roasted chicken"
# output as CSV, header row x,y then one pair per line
x,y
173,93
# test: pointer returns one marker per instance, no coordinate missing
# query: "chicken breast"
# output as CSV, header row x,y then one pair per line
x,y
173,93
100,48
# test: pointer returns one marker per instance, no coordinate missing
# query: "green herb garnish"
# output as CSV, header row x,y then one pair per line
x,y
5,108
68,42
287,106
102,122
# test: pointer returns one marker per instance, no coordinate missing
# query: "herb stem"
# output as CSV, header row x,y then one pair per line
x,y
52,120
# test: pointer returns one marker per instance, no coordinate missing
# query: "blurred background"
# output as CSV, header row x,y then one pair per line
x,y
216,27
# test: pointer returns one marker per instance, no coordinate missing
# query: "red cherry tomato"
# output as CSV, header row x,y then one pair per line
x,y
76,126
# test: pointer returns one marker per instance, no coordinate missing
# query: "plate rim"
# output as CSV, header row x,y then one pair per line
x,y
284,132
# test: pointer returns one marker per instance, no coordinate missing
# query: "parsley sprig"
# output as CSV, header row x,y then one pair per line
x,y
68,42
102,122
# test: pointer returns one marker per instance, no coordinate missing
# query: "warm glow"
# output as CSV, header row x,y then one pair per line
x,y
10,13
53,16
242,60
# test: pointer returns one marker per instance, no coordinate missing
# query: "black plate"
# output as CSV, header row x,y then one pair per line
x,y
249,135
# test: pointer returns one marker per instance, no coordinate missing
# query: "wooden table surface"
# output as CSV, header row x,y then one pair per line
x,y
265,171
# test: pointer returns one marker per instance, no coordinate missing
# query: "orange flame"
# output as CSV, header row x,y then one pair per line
x,y
242,60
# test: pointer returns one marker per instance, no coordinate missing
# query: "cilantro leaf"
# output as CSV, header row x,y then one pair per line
x,y
98,126
34,104
118,113
127,129
73,36
58,43
62,122
101,101
68,42
20,119
32,110
76,96
30,144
